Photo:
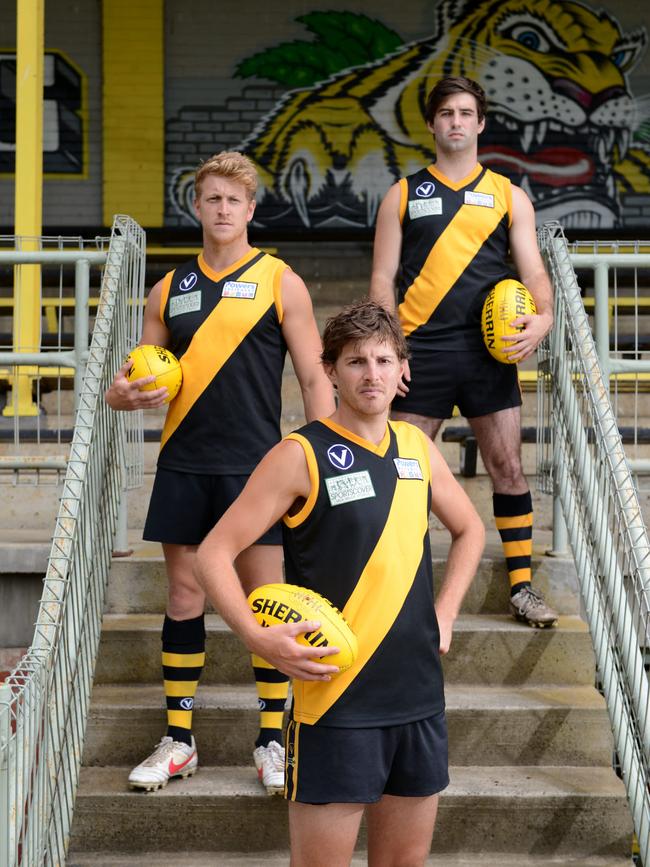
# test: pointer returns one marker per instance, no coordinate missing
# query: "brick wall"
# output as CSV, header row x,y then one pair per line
x,y
197,132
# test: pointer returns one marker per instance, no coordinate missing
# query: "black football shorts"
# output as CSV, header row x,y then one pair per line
x,y
184,507
471,380
326,765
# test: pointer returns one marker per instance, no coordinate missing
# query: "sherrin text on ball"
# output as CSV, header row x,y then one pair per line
x,y
506,301
273,604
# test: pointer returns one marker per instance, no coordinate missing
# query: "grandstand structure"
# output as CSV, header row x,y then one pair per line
x,y
547,729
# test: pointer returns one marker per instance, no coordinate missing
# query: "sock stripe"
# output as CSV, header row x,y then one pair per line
x,y
272,690
269,675
518,549
273,705
175,702
183,660
516,564
181,719
519,576
171,673
516,534
513,522
179,688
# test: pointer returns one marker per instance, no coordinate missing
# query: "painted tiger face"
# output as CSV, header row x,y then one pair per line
x,y
560,111
559,120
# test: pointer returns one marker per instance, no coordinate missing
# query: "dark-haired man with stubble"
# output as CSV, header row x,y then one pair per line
x,y
354,492
443,239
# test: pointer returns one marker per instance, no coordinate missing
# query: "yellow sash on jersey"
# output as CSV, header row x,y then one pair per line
x,y
219,336
384,583
454,250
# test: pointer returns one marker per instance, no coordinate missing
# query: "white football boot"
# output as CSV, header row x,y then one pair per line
x,y
269,762
169,759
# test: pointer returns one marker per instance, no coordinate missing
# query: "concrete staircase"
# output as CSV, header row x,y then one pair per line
x,y
530,744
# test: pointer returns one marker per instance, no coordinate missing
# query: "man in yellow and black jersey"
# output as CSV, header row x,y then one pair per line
x,y
443,239
229,316
355,492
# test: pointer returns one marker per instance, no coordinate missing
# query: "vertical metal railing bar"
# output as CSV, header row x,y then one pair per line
x,y
46,699
591,478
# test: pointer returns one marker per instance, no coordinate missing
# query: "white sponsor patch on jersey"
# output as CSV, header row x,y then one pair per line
x,y
483,200
408,468
425,207
184,303
238,289
352,486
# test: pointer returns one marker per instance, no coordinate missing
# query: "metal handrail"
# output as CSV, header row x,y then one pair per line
x,y
82,260
590,476
44,702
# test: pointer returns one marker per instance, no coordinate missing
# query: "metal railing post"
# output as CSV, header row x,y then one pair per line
x,y
5,737
601,316
81,320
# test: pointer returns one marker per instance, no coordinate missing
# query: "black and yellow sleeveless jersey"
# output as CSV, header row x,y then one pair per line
x,y
454,249
361,540
226,330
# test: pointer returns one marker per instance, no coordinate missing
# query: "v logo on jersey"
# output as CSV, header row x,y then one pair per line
x,y
426,189
340,456
188,282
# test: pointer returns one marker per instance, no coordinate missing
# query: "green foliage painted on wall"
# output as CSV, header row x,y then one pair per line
x,y
343,39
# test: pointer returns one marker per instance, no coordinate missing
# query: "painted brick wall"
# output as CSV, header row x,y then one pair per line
x,y
199,132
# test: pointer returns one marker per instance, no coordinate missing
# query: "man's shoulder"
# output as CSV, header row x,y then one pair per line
x,y
498,177
419,174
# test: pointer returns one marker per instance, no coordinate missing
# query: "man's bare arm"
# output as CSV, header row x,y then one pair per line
x,y
452,506
532,273
386,250
278,480
304,343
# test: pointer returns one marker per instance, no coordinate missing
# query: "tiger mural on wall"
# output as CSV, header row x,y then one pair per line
x,y
559,123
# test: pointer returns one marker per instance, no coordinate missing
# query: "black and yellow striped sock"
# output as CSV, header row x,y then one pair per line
x,y
272,690
513,514
183,656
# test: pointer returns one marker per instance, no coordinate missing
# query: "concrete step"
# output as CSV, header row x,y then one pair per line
x,y
281,859
551,811
487,725
138,584
486,649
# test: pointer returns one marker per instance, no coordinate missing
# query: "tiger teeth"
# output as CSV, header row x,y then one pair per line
x,y
527,136
623,140
540,132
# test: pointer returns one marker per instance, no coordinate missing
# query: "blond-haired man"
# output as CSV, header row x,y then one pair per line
x,y
230,316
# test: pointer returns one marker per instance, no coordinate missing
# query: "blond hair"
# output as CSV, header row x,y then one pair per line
x,y
230,165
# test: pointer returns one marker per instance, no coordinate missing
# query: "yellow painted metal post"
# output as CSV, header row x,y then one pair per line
x,y
133,110
28,209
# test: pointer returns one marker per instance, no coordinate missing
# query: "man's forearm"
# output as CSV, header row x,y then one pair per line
x,y
221,584
382,291
462,562
317,399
